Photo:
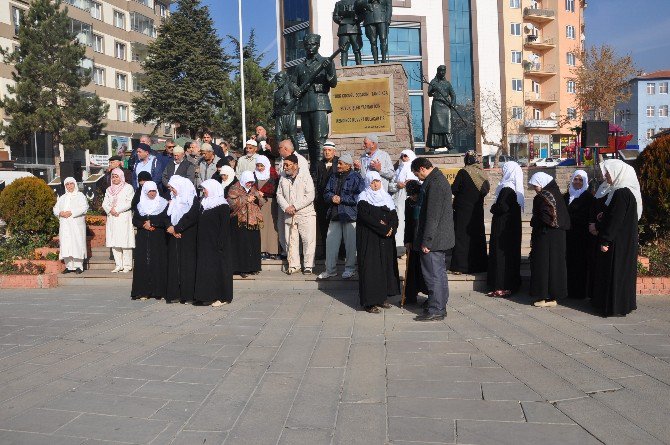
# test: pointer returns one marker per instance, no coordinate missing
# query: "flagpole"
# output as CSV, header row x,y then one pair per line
x,y
242,95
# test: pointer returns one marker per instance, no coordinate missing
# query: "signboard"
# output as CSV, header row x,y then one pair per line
x,y
99,160
120,145
362,105
450,173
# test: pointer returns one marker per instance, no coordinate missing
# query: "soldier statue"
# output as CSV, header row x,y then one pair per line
x,y
283,112
444,99
349,32
312,95
377,20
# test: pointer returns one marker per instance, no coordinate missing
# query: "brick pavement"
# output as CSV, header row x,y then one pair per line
x,y
85,365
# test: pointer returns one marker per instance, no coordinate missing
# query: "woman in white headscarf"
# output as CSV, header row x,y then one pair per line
x,y
376,225
214,277
615,285
228,178
119,234
70,209
402,174
578,239
182,228
267,179
246,222
150,254
505,244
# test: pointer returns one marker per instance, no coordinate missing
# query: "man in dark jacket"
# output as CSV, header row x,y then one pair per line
x,y
324,169
434,236
342,192
179,166
148,163
115,162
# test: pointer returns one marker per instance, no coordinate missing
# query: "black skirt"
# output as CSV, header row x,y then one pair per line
x,y
246,248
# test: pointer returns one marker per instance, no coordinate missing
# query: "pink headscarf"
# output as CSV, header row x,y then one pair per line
x,y
115,189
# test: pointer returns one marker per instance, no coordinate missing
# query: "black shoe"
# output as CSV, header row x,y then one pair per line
x,y
68,271
243,275
282,257
78,271
429,317
425,304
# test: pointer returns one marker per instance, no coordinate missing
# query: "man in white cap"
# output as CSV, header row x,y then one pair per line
x,y
324,169
248,161
375,159
208,163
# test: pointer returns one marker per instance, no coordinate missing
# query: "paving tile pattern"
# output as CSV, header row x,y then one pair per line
x,y
85,365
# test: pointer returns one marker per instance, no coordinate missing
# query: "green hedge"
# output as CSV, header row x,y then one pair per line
x,y
26,205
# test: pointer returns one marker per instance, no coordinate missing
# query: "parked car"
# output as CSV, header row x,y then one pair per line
x,y
488,161
523,162
547,162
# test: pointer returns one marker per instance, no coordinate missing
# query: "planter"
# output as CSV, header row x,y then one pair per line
x,y
44,281
644,261
50,266
42,252
97,236
653,285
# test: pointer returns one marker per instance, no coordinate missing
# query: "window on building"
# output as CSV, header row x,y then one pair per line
x,y
122,113
17,15
147,3
142,24
99,76
416,106
570,32
121,82
517,85
651,88
120,50
515,4
570,5
517,113
515,29
98,44
161,9
663,111
663,88
650,133
119,19
82,31
571,59
516,56
571,86
138,86
96,10
535,87
572,113
537,114
651,111
295,12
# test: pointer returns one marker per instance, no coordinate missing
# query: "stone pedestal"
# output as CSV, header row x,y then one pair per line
x,y
400,135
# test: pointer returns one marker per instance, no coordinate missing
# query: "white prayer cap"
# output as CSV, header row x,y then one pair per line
x,y
252,142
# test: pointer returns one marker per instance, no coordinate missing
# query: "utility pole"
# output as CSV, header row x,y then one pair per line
x,y
242,95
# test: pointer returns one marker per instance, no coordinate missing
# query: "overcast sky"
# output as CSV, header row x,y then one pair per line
x,y
637,27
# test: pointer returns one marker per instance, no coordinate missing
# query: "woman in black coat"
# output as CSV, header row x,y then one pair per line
x,y
578,239
596,212
214,276
376,224
414,282
182,226
550,221
504,275
150,253
615,286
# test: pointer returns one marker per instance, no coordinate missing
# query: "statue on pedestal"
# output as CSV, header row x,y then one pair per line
x,y
283,112
347,15
444,99
377,20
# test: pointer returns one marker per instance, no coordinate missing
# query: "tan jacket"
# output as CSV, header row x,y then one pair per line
x,y
298,192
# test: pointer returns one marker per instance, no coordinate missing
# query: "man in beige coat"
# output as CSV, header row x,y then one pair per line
x,y
295,196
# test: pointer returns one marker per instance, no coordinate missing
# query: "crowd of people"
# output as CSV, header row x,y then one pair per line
x,y
186,220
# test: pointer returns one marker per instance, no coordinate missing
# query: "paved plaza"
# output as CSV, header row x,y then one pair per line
x,y
85,365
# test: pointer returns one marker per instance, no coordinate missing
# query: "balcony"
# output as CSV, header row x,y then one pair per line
x,y
538,70
540,99
539,15
142,24
541,124
536,43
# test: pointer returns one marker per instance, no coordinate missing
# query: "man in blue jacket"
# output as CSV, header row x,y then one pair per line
x,y
342,193
149,163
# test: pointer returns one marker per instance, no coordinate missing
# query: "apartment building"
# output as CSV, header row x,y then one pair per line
x,y
116,34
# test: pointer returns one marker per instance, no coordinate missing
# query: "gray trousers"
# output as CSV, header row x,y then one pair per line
x,y
434,267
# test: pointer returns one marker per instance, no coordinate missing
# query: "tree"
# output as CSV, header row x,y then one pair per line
x,y
46,95
92,111
186,70
258,89
601,80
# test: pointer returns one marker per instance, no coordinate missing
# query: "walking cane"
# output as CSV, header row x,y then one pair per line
x,y
404,281
288,244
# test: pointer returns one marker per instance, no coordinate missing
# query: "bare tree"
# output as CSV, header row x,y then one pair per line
x,y
601,80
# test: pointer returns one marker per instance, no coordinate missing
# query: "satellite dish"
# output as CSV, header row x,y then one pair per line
x,y
553,116
529,27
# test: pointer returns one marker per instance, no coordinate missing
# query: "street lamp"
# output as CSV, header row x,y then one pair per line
x,y
242,95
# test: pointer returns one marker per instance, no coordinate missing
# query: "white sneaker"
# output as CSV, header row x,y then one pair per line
x,y
325,275
348,274
117,269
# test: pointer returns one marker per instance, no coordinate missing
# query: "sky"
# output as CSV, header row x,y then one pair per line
x,y
640,28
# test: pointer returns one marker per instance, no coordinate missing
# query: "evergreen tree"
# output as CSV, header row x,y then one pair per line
x,y
46,95
92,111
185,69
258,89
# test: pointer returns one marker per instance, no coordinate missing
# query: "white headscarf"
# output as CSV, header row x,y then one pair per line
x,y
404,171
245,177
377,198
512,177
148,206
265,174
68,197
540,179
574,194
181,203
215,196
623,176
228,171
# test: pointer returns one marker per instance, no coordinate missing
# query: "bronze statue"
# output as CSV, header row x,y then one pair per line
x,y
444,99
283,113
377,20
315,76
348,18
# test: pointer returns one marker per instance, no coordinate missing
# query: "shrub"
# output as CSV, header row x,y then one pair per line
x,y
26,205
654,175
